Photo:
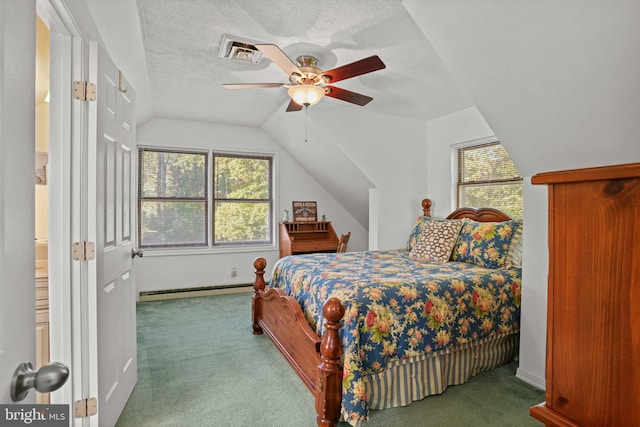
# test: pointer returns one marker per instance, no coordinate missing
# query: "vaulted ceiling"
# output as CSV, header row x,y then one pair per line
x,y
169,51
555,81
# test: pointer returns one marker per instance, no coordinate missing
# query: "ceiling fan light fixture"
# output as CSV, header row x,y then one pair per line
x,y
307,81
306,94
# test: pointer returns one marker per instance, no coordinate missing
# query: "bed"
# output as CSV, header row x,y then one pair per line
x,y
378,329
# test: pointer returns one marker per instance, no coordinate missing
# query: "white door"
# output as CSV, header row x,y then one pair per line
x,y
106,312
111,172
17,191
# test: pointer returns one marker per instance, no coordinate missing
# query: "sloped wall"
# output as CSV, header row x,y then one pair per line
x,y
558,84
373,164
556,81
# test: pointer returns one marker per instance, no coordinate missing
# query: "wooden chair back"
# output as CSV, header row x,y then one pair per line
x,y
342,242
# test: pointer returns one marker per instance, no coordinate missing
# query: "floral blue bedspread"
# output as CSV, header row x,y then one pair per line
x,y
398,307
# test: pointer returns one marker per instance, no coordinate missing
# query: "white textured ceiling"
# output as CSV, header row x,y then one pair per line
x,y
180,42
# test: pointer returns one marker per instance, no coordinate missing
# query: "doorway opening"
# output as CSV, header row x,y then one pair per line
x,y
42,181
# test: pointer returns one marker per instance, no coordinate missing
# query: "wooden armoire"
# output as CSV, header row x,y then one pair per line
x,y
593,317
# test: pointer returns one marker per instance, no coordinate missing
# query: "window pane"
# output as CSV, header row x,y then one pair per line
x,y
506,197
487,163
241,178
242,222
173,223
171,174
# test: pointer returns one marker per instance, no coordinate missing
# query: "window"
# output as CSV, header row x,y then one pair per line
x,y
487,177
242,199
176,208
172,198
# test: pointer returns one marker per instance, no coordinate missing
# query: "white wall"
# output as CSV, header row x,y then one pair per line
x,y
469,126
159,270
304,137
535,267
443,133
392,152
374,164
558,84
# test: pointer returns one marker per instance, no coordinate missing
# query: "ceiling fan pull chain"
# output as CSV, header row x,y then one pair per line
x,y
306,120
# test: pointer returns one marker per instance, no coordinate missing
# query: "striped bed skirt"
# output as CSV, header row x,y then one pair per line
x,y
405,381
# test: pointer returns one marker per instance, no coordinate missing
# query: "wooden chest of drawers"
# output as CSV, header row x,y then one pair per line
x,y
593,314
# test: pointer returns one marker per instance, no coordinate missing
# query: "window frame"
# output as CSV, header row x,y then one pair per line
x,y
211,245
460,183
269,200
141,198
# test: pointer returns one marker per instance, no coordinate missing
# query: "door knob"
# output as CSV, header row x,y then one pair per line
x,y
136,252
48,378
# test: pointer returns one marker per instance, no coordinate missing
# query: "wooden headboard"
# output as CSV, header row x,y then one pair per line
x,y
480,215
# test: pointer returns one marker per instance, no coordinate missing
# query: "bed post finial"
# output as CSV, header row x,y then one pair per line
x,y
259,264
426,207
329,380
258,285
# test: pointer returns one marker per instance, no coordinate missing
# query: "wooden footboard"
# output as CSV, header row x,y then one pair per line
x,y
316,360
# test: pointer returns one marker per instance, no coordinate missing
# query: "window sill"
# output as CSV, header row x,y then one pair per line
x,y
153,252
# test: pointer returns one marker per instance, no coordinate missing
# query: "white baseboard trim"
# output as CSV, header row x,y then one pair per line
x,y
530,378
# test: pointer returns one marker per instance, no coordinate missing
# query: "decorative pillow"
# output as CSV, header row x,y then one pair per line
x,y
436,241
514,257
416,230
484,243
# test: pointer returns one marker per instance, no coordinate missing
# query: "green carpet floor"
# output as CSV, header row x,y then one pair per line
x,y
200,365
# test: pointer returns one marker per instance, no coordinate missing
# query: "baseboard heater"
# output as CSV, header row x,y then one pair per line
x,y
195,292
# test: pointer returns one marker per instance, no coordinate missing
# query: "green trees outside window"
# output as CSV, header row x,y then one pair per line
x,y
487,177
175,207
242,199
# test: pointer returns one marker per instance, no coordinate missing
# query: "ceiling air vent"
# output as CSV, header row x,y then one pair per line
x,y
233,47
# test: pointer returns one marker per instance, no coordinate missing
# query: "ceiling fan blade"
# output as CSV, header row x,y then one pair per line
x,y
293,106
250,85
363,66
347,95
275,54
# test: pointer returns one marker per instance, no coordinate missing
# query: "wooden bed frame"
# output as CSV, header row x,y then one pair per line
x,y
317,360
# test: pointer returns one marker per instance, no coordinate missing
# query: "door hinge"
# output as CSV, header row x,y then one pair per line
x,y
86,407
84,91
83,251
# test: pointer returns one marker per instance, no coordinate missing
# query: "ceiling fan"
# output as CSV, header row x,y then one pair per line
x,y
308,84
